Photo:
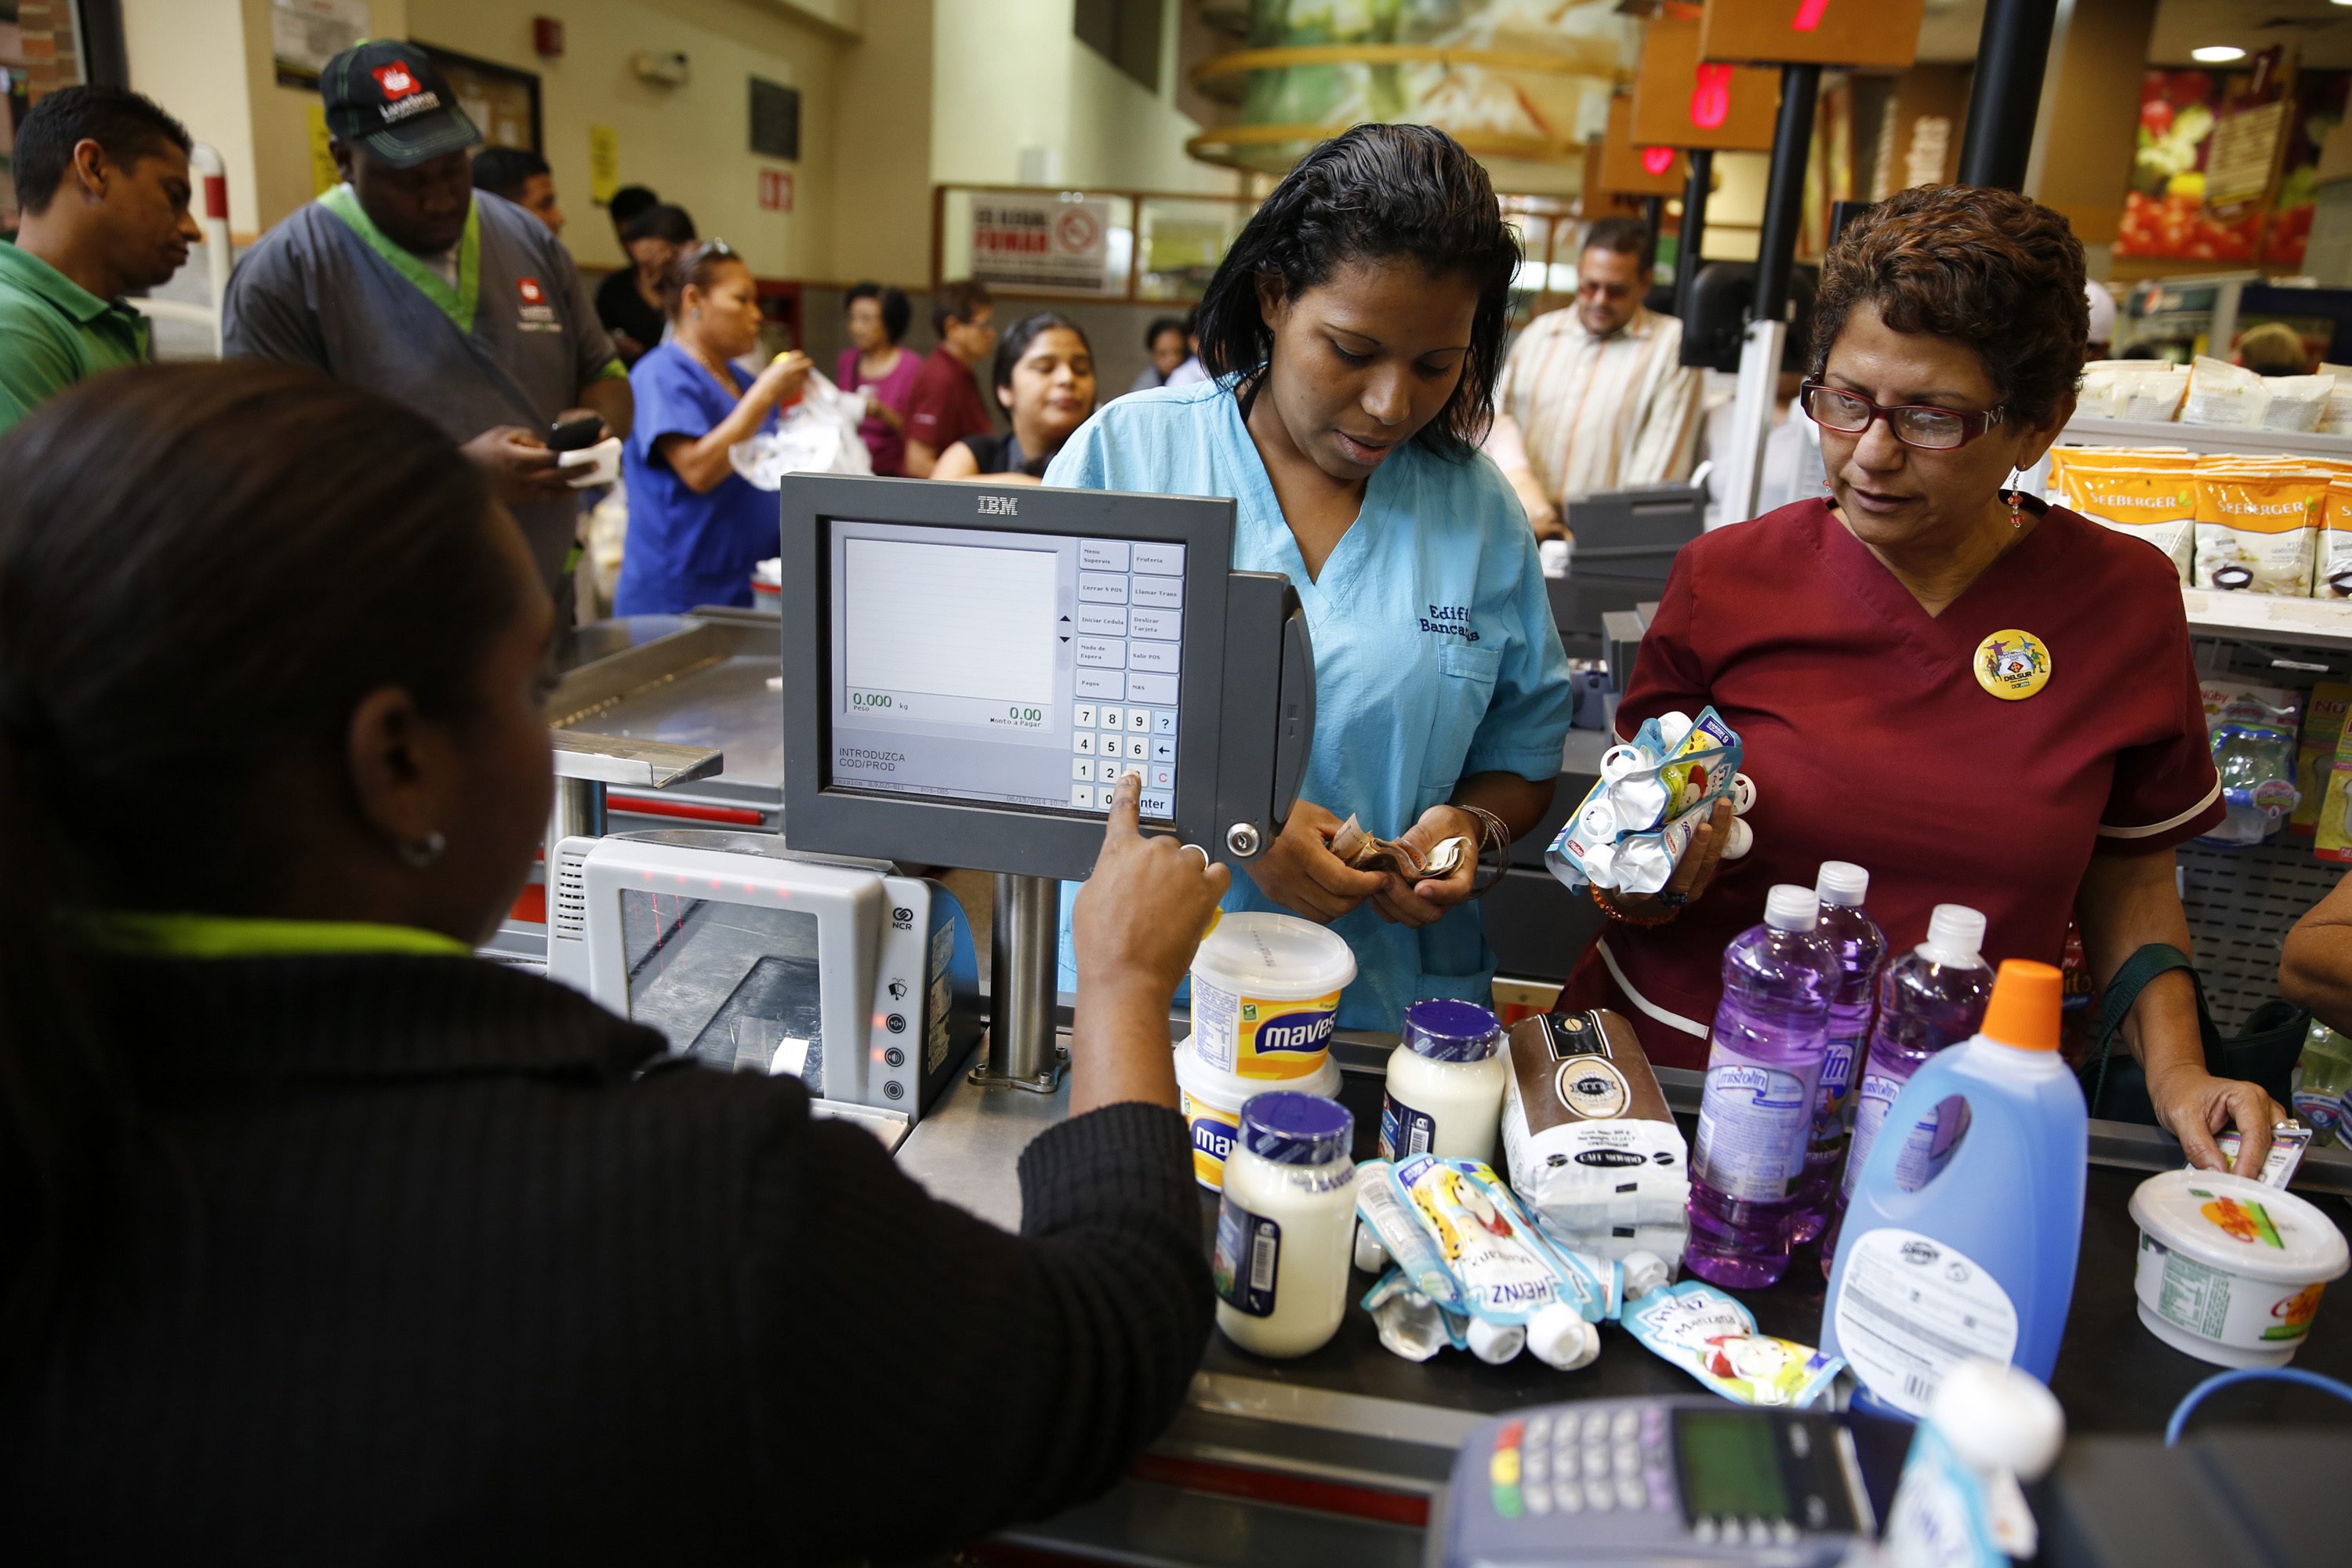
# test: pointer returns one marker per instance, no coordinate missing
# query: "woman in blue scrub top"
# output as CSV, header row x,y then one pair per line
x,y
696,526
1354,333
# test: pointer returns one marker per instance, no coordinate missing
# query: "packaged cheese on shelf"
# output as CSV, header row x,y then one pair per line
x,y
2221,394
2157,504
2257,526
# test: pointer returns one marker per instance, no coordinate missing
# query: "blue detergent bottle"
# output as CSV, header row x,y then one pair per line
x,y
1977,1260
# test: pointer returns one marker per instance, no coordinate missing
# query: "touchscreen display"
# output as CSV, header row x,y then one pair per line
x,y
1729,1464
1013,668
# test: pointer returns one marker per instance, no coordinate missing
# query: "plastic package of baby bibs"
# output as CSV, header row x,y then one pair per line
x,y
1655,793
1711,1336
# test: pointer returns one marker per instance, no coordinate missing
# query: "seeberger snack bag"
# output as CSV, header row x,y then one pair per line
x,y
2158,505
2257,528
2332,577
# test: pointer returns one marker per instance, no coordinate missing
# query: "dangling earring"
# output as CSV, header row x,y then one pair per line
x,y
2016,505
420,855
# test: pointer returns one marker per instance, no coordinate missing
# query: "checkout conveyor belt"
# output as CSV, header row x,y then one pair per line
x,y
1342,1455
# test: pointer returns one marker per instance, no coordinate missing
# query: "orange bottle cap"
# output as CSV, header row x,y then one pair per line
x,y
2023,1012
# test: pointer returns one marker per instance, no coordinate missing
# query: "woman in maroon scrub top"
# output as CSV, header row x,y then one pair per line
x,y
1981,699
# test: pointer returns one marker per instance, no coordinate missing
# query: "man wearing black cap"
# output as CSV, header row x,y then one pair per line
x,y
461,304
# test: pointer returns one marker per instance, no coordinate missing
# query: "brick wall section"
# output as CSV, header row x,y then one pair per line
x,y
52,61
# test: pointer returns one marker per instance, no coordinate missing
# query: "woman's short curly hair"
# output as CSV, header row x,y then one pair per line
x,y
1997,272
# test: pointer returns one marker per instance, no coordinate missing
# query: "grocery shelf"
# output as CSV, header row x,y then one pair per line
x,y
2265,618
2088,430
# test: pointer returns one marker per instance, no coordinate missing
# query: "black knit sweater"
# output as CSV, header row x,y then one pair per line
x,y
422,1266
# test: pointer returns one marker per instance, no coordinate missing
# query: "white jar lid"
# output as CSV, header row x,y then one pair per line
x,y
1222,1090
1279,957
2239,1226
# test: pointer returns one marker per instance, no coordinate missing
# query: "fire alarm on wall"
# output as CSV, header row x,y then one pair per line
x,y
546,36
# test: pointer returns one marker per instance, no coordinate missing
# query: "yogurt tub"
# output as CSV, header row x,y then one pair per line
x,y
1265,989
2229,1269
1212,1103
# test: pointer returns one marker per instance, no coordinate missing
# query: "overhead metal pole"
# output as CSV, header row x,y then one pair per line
x,y
1693,234
1767,327
2012,53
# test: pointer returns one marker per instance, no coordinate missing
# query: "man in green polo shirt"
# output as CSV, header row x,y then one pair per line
x,y
102,180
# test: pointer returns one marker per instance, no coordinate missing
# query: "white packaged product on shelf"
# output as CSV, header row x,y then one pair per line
x,y
2295,403
2221,394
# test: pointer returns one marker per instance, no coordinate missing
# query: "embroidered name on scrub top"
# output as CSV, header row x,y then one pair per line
x,y
2012,665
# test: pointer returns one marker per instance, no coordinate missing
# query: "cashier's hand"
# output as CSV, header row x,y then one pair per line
x,y
1300,872
1420,903
519,466
1690,879
1143,912
2192,1105
784,377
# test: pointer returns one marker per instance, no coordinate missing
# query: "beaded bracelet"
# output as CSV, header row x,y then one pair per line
x,y
1621,918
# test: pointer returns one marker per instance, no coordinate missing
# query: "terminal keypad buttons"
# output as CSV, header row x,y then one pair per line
x,y
1124,675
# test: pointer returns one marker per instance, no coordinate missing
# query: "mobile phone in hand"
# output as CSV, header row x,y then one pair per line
x,y
574,434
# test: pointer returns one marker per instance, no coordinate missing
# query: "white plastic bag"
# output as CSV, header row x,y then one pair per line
x,y
818,434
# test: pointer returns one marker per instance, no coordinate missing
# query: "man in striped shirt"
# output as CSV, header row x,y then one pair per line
x,y
1595,397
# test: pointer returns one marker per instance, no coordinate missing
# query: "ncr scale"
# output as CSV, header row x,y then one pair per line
x,y
967,672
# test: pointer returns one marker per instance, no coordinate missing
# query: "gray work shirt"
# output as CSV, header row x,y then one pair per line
x,y
512,342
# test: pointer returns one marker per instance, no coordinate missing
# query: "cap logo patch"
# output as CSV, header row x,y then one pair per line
x,y
394,79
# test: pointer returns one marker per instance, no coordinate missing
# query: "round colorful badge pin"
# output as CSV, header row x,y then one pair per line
x,y
2012,665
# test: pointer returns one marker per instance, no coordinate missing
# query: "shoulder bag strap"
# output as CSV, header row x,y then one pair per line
x,y
2123,992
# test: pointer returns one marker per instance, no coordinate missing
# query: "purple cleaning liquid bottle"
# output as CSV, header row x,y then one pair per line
x,y
1932,997
1861,953
1763,1068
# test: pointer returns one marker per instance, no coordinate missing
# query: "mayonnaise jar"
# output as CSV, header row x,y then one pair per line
x,y
1286,1224
1446,1079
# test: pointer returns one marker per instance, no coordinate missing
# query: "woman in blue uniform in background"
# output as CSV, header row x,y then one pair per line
x,y
1354,333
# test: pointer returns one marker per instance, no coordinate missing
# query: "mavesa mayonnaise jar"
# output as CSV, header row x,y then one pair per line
x,y
1266,991
1286,1225
1445,1091
1212,1102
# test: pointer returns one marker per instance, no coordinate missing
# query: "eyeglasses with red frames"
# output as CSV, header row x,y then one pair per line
x,y
1919,425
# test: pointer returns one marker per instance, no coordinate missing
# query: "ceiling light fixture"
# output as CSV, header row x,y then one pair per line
x,y
2223,54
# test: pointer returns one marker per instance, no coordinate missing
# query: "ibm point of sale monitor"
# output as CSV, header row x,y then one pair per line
x,y
969,671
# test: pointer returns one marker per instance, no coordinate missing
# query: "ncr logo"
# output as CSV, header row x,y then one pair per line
x,y
999,506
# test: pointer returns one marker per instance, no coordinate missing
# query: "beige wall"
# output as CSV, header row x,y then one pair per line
x,y
691,143
189,57
1010,75
281,115
881,219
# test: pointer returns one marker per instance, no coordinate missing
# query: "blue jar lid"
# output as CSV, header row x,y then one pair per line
x,y
1445,1030
1287,1128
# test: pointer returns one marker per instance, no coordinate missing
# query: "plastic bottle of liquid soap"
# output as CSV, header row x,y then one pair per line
x,y
1763,1068
1980,1261
1861,953
1931,998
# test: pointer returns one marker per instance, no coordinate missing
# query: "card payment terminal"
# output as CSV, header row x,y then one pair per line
x,y
1680,1479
